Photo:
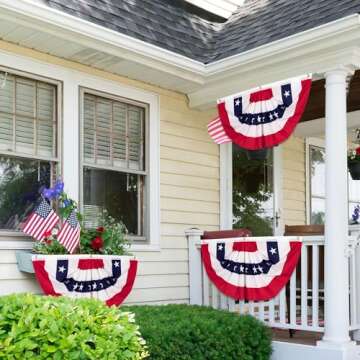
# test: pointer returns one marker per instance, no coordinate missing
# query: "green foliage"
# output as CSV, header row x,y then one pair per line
x,y
108,239
39,327
49,247
252,189
184,332
66,205
112,234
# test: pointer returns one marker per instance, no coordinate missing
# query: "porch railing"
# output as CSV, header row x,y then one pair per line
x,y
299,306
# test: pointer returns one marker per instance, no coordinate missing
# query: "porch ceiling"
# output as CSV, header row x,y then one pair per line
x,y
315,108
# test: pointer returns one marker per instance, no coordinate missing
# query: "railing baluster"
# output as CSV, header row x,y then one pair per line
x,y
223,302
206,295
261,310
215,297
231,303
242,307
315,286
271,311
282,306
304,285
293,298
251,308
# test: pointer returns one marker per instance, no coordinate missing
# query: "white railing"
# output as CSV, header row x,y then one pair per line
x,y
299,306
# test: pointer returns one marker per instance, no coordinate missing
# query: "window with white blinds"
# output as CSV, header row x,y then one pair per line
x,y
28,118
114,174
114,133
28,141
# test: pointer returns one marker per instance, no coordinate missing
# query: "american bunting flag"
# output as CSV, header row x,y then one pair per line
x,y
43,219
69,234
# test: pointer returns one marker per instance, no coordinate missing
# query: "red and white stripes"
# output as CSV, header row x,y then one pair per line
x,y
217,132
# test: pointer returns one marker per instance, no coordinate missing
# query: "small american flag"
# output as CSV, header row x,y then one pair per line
x,y
217,132
69,234
43,219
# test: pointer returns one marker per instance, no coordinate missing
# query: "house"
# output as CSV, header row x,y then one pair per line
x,y
120,93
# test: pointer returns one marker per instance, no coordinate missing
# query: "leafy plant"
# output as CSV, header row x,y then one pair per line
x,y
354,156
251,192
184,332
109,238
38,327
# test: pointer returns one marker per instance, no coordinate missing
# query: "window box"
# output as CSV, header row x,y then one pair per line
x,y
24,261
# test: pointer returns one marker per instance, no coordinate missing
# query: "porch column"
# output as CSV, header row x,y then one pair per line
x,y
336,211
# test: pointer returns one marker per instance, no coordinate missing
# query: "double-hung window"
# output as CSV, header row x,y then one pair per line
x,y
28,144
316,183
114,166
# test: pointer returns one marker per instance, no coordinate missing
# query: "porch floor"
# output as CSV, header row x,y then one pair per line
x,y
299,337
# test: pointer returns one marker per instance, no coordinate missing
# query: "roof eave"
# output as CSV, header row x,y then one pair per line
x,y
309,51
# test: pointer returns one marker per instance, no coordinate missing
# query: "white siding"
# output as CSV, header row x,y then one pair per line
x,y
189,191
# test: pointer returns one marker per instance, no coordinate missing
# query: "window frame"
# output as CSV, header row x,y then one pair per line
x,y
71,79
145,173
58,138
320,143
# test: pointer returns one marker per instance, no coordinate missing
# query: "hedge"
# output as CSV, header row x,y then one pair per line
x,y
184,332
41,327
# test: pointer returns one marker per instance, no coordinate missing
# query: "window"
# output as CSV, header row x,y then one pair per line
x,y
316,170
28,145
114,161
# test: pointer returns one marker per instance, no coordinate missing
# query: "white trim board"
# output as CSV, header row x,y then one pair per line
x,y
72,81
287,350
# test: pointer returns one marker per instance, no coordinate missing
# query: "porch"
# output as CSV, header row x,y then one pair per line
x,y
297,314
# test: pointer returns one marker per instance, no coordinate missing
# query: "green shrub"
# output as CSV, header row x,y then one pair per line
x,y
185,332
39,327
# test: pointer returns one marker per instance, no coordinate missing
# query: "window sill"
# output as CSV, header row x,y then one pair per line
x,y
11,240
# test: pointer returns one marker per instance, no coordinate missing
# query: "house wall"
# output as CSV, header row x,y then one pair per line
x,y
189,194
294,184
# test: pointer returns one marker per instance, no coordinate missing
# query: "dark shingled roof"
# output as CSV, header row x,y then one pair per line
x,y
182,28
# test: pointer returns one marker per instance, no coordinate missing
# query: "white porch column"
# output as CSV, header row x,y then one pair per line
x,y
336,212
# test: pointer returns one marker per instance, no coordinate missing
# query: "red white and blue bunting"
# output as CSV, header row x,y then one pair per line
x,y
109,278
262,117
252,268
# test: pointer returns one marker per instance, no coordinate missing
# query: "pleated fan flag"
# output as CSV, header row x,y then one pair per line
x,y
263,117
251,268
108,278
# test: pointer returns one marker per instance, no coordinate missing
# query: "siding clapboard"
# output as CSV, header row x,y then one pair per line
x,y
294,186
189,195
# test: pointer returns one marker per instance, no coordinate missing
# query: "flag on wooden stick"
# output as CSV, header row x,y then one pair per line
x,y
42,220
69,234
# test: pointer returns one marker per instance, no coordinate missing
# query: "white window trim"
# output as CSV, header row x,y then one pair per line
x,y
72,81
310,141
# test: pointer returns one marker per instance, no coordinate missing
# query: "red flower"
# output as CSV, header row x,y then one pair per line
x,y
100,229
97,243
47,234
48,242
358,151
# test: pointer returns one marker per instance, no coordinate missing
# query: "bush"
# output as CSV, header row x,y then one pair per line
x,y
39,327
185,332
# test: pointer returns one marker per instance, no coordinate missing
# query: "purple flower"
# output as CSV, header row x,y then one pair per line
x,y
59,187
356,214
48,193
67,202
